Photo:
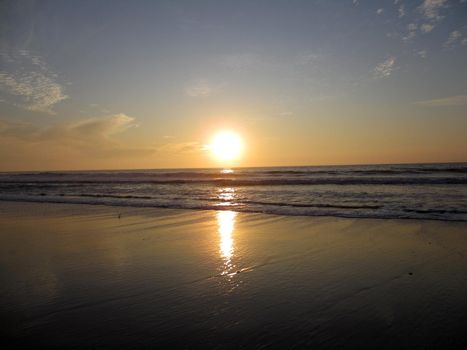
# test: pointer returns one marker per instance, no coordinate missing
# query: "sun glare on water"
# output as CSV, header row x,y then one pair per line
x,y
226,145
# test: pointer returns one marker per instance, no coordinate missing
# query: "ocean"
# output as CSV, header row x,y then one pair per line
x,y
409,191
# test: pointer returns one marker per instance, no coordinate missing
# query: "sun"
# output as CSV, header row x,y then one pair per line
x,y
226,145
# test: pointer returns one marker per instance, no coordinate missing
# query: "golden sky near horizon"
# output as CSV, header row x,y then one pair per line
x,y
149,85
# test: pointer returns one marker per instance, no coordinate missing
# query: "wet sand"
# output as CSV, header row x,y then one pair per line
x,y
107,277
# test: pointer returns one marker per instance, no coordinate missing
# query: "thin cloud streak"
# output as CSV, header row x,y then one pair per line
x,y
181,148
94,135
459,100
202,88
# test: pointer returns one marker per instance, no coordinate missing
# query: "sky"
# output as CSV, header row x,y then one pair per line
x,y
146,84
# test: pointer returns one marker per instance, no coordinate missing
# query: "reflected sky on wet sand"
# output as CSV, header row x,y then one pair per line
x,y
175,278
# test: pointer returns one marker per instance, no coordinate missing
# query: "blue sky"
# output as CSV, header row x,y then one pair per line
x,y
116,84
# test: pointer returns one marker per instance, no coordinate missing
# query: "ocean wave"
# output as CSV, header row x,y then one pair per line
x,y
310,205
229,182
436,191
450,169
462,170
436,211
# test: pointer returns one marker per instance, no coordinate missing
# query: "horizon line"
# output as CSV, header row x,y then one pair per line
x,y
240,167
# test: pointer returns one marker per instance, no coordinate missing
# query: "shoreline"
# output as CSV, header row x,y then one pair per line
x,y
225,208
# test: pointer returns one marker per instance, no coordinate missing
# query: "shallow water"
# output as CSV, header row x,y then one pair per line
x,y
416,191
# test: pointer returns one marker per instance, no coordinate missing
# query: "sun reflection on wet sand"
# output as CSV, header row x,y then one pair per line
x,y
226,225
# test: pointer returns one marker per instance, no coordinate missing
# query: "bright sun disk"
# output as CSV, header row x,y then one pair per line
x,y
226,145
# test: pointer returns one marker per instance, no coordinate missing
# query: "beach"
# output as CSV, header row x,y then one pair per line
x,y
233,174
92,276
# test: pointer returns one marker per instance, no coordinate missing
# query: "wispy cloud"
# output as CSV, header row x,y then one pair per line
x,y
18,130
385,68
27,82
85,130
308,58
379,11
459,100
181,147
202,88
425,18
401,11
411,32
429,16
426,27
94,135
453,39
103,127
422,53
431,9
